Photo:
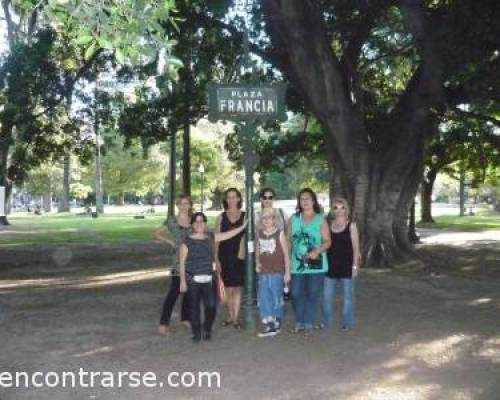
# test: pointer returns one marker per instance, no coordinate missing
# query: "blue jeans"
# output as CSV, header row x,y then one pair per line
x,y
306,289
270,296
329,302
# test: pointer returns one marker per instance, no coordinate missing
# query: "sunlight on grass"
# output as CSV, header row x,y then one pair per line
x,y
438,353
112,279
71,228
481,221
490,350
399,392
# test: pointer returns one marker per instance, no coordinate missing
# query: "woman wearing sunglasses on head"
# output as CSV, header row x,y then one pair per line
x,y
343,265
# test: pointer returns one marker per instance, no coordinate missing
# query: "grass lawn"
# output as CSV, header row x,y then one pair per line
x,y
71,228
481,221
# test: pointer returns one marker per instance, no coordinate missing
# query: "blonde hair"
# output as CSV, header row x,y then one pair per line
x,y
342,201
268,213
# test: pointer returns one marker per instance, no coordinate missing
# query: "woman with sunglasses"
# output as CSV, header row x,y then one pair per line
x,y
343,265
267,199
309,238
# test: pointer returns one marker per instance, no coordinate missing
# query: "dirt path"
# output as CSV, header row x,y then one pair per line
x,y
423,333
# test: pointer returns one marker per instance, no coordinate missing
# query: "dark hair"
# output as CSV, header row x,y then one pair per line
x,y
265,190
316,206
196,215
224,201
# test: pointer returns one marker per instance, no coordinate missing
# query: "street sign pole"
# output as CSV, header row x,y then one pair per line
x,y
247,135
247,104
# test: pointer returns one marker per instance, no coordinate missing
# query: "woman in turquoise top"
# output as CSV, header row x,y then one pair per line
x,y
309,238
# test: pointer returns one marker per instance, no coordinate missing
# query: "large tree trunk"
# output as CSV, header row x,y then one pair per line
x,y
121,199
378,168
4,181
461,191
412,227
47,202
426,196
64,200
186,160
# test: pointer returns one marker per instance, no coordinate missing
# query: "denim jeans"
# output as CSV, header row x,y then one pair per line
x,y
270,295
198,292
329,302
306,290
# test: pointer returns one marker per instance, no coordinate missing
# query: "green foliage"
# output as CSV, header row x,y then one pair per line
x,y
207,52
35,123
135,31
220,173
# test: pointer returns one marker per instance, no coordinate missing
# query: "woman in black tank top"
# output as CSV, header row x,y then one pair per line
x,y
343,263
230,255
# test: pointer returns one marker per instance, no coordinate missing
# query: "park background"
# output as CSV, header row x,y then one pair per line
x,y
394,106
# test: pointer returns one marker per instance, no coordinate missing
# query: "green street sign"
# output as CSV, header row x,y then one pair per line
x,y
246,102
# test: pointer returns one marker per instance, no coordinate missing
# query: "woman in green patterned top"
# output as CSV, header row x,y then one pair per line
x,y
174,233
309,237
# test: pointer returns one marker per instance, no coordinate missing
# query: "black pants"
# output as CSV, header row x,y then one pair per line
x,y
198,292
169,303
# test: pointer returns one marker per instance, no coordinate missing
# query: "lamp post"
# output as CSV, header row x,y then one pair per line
x,y
201,170
98,165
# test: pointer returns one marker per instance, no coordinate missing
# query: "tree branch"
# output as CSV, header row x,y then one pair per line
x,y
475,115
11,26
424,89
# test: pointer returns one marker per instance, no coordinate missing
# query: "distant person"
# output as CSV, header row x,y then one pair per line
x,y
196,259
344,259
267,200
230,255
310,238
273,270
174,233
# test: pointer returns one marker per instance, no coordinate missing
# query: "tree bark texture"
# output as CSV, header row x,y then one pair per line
x,y
186,160
64,201
426,196
378,170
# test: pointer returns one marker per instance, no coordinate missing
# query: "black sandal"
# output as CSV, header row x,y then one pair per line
x,y
237,325
227,322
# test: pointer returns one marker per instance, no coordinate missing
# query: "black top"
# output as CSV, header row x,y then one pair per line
x,y
339,255
229,249
200,256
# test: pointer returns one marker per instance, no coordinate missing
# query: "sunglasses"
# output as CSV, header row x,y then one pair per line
x,y
339,208
267,197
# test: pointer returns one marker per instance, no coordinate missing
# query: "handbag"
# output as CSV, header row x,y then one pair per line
x,y
307,262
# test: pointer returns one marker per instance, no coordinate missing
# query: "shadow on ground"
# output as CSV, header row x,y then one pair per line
x,y
419,335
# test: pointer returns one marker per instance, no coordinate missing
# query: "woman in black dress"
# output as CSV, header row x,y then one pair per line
x,y
230,255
